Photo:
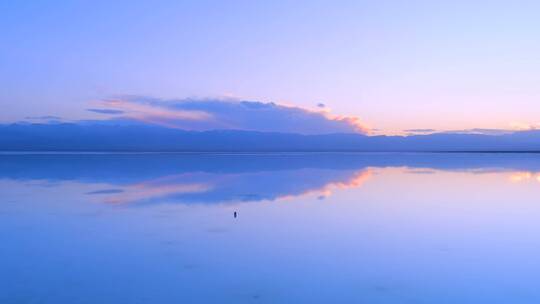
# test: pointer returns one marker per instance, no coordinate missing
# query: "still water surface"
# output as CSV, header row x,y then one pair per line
x,y
309,228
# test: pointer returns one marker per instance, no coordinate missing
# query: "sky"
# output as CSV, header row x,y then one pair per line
x,y
392,65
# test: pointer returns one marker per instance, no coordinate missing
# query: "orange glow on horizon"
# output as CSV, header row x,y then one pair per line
x,y
358,180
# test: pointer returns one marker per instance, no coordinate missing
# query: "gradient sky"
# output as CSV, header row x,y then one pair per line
x,y
396,65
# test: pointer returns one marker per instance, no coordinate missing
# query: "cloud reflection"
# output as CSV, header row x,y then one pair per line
x,y
146,179
201,187
523,176
153,190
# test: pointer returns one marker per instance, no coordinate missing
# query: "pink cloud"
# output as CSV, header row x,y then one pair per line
x,y
208,114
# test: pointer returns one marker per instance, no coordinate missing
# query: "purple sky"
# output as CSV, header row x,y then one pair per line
x,y
393,65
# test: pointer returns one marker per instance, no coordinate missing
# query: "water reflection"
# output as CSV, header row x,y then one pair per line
x,y
201,187
139,179
524,176
392,228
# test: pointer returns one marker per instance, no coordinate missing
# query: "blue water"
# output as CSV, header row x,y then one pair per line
x,y
309,228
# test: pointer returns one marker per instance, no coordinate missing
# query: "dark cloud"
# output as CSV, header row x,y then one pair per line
x,y
46,117
481,131
106,191
420,130
212,114
106,111
478,131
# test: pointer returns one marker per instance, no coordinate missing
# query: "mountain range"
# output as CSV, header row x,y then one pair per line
x,y
133,137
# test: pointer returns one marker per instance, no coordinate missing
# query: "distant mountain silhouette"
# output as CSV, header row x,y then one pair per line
x,y
140,138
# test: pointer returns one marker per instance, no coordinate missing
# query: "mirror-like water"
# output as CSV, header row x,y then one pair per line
x,y
309,228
